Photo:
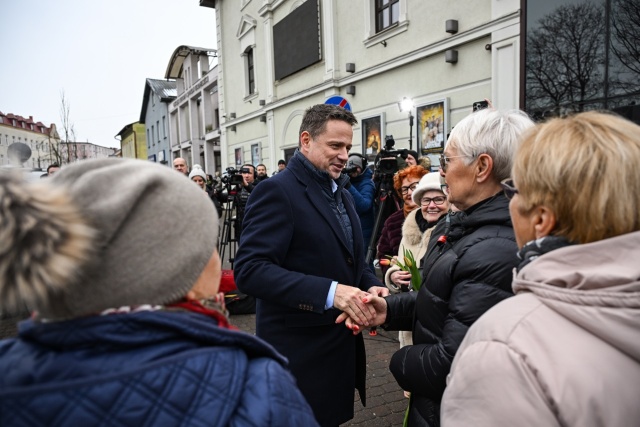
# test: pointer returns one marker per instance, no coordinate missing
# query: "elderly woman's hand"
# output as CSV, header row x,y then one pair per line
x,y
401,277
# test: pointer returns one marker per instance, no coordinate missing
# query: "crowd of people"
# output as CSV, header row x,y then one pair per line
x,y
510,274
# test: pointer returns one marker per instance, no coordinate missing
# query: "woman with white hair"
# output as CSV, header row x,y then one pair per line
x,y
468,270
566,348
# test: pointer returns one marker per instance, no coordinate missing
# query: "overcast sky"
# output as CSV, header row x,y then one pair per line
x,y
98,53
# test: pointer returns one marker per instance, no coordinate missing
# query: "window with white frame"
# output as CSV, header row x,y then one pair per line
x,y
387,13
251,79
384,19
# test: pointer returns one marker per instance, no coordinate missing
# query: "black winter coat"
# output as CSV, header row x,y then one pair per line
x,y
462,279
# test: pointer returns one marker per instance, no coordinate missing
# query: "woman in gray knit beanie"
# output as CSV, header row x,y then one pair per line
x,y
117,260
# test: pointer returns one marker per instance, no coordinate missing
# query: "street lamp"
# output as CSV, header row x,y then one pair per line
x,y
407,105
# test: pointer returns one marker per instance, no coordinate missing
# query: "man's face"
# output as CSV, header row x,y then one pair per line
x,y
281,166
329,151
180,165
262,170
53,171
247,174
356,172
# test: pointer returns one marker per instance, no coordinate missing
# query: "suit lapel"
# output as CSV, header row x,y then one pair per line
x,y
319,202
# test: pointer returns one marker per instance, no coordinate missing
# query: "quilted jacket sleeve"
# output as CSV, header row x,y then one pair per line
x,y
271,398
487,369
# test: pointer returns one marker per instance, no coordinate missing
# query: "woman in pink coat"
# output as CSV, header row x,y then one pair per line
x,y
565,351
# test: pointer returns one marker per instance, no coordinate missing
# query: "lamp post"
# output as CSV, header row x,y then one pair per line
x,y
407,105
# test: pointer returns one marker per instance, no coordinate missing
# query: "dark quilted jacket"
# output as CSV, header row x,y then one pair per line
x,y
145,369
462,279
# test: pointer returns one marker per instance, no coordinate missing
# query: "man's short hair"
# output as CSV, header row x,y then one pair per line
x,y
316,117
249,165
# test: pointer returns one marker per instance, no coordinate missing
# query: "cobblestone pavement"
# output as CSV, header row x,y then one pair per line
x,y
386,403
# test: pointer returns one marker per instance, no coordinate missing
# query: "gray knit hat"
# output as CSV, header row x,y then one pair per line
x,y
102,234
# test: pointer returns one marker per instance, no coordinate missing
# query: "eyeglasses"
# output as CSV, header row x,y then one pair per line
x,y
509,189
444,160
445,189
405,190
437,200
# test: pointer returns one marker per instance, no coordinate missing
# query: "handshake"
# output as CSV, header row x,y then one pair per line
x,y
361,309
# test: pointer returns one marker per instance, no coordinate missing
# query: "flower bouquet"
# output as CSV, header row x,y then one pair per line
x,y
409,265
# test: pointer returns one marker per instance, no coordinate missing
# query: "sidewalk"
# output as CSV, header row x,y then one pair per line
x,y
386,403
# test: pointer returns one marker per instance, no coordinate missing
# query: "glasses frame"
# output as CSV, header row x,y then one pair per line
x,y
508,188
444,160
405,190
433,199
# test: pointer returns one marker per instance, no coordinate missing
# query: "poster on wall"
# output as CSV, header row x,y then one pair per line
x,y
372,135
255,154
238,157
431,123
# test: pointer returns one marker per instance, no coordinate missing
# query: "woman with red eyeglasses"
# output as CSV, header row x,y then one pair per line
x,y
404,182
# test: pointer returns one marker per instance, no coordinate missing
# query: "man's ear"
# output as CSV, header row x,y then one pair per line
x,y
305,140
484,167
544,221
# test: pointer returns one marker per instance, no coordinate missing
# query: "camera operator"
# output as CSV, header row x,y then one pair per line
x,y
363,191
243,191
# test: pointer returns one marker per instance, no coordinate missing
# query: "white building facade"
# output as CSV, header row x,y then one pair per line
x,y
440,55
43,141
278,57
194,124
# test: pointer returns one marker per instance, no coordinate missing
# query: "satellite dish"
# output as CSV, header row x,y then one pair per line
x,y
18,153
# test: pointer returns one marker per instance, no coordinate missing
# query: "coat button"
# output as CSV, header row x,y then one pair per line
x,y
350,261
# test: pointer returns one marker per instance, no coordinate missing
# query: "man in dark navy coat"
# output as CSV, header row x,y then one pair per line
x,y
301,254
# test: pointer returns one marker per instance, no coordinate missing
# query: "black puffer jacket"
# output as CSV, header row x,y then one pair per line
x,y
462,279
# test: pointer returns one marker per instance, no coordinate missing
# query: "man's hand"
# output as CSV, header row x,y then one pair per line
x,y
377,303
350,300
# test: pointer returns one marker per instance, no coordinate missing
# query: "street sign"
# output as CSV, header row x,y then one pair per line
x,y
340,101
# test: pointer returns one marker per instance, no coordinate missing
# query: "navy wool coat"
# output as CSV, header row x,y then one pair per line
x,y
291,249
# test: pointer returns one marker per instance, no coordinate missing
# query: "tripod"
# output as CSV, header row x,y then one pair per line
x,y
384,210
227,237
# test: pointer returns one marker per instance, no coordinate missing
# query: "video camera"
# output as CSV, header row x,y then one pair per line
x,y
231,177
386,163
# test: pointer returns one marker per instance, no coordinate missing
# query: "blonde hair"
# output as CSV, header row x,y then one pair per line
x,y
586,169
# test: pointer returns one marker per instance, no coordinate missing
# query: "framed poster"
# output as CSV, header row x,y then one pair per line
x,y
239,161
372,135
432,120
255,154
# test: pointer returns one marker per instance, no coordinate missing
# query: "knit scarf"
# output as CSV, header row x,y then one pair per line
x,y
541,246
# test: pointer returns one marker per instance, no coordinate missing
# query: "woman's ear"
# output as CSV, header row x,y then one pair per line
x,y
484,167
544,221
